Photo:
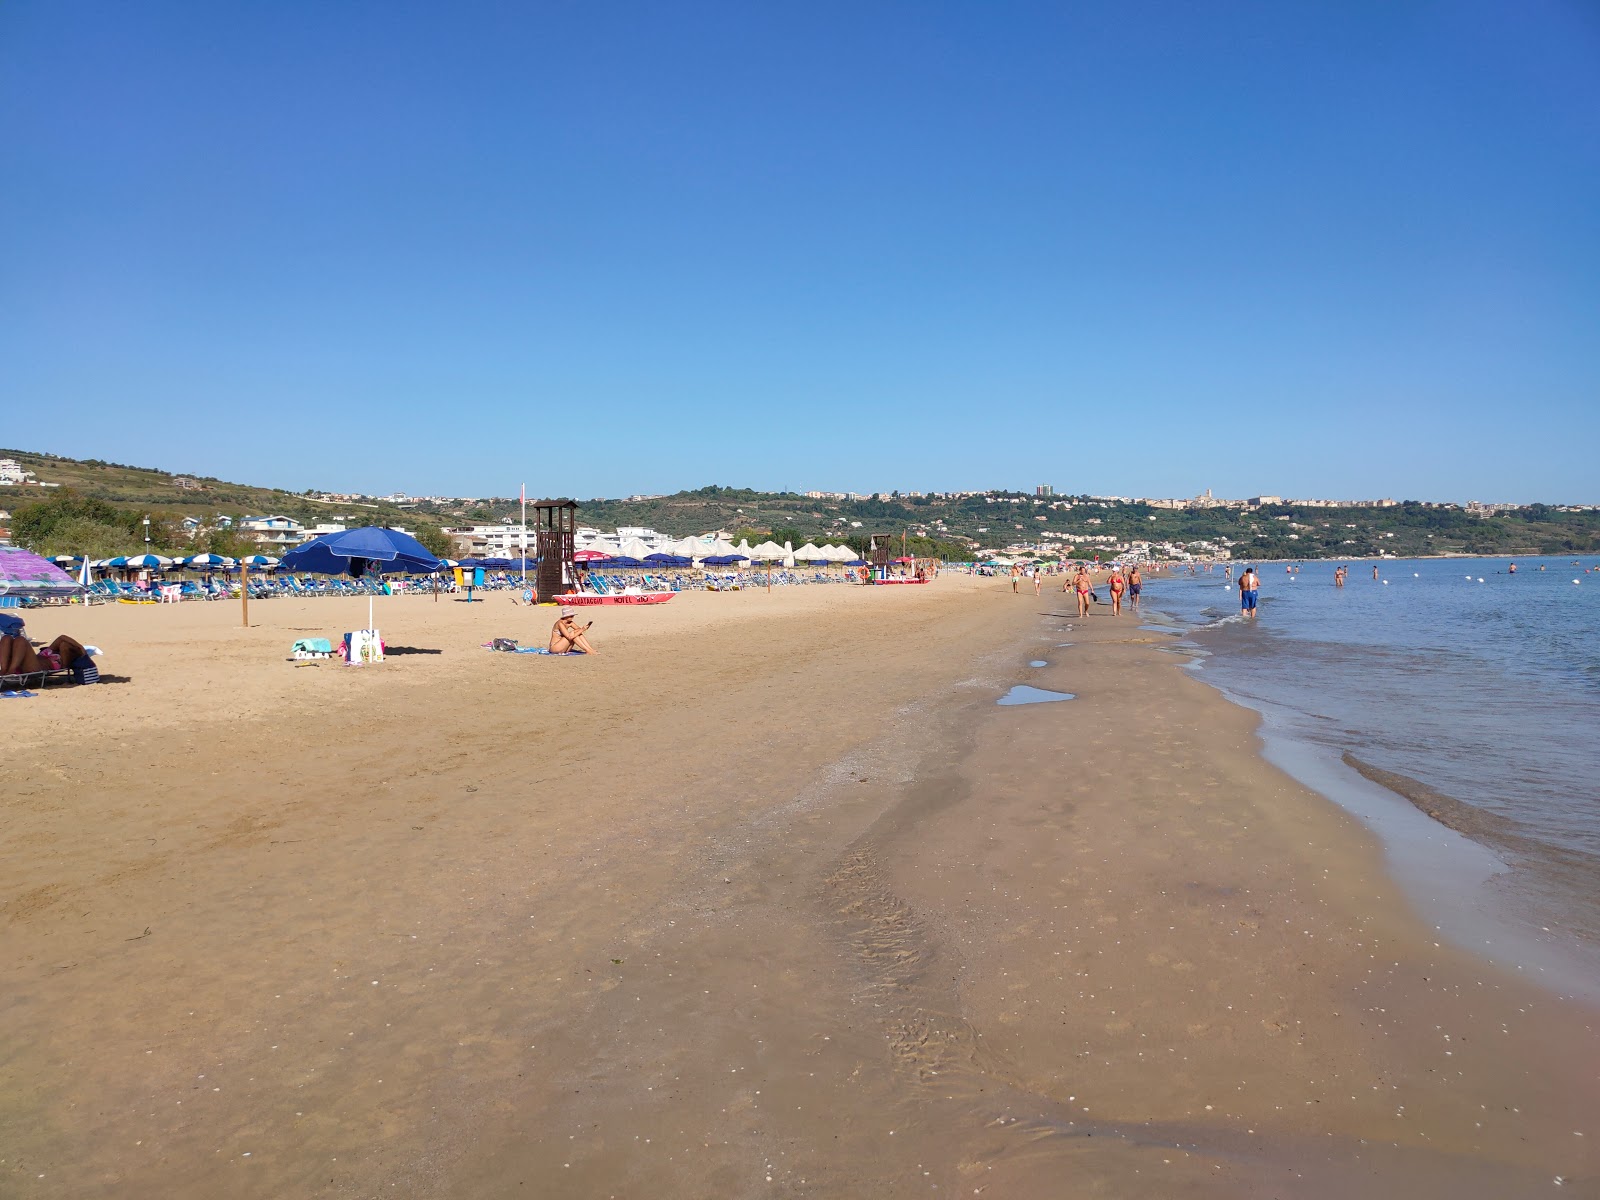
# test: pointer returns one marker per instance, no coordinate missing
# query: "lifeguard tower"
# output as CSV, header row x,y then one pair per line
x,y
555,523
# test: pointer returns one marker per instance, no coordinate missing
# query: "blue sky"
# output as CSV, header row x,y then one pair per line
x,y
1341,249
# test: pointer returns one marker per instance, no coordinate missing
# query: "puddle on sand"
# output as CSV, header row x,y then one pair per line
x,y
1023,694
1038,662
1062,645
1175,632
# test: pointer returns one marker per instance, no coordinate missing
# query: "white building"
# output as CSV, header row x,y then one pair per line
x,y
489,541
11,472
282,532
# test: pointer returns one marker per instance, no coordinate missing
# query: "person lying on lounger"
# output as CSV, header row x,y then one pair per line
x,y
567,635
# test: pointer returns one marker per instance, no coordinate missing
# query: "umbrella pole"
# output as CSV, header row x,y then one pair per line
x,y
244,593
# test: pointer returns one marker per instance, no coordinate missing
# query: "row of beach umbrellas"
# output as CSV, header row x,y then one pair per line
x,y
716,551
160,562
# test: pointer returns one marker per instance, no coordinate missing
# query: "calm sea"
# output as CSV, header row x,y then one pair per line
x,y
1480,685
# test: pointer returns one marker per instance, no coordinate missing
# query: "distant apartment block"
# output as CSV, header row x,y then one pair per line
x,y
282,532
11,472
488,541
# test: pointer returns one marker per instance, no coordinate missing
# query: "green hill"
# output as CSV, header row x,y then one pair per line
x,y
100,509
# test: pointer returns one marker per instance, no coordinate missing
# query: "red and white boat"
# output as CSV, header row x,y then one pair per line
x,y
584,599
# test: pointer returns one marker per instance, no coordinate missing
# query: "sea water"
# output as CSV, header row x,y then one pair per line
x,y
1481,684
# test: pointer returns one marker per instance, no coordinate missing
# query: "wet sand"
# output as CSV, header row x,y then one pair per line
x,y
770,897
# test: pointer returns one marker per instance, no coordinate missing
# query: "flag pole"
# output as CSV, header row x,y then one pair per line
x,y
524,494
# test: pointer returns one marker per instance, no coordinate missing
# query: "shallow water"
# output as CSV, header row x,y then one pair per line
x,y
1023,694
1038,662
1487,692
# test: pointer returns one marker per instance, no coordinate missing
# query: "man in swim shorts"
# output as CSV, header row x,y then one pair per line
x,y
1249,588
1135,586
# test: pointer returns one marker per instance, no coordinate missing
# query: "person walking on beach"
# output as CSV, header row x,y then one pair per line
x,y
1083,585
1038,580
1118,585
1135,586
1016,575
1249,589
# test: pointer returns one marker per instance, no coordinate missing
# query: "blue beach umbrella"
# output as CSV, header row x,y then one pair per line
x,y
370,550
258,562
151,561
207,562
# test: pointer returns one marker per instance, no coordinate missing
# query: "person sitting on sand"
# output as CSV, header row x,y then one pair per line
x,y
566,635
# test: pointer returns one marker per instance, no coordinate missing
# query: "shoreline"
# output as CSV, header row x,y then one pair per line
x,y
783,900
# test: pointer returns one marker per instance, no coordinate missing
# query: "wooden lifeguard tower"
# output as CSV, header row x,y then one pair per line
x,y
880,552
555,523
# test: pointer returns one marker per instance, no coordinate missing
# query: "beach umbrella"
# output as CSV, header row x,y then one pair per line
x,y
85,575
588,556
259,561
810,552
370,550
768,551
208,562
788,555
23,573
635,548
667,560
149,561
65,560
448,562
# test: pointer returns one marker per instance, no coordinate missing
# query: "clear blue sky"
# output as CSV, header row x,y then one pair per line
x,y
1346,249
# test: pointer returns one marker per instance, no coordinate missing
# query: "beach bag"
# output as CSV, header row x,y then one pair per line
x,y
504,644
84,670
363,646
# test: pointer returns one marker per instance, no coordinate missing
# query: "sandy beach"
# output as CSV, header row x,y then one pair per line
x,y
767,898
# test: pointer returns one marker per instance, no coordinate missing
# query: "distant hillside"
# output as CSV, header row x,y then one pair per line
x,y
110,500
150,488
994,520
949,525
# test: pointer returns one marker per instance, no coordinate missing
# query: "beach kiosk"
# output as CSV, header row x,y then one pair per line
x,y
555,525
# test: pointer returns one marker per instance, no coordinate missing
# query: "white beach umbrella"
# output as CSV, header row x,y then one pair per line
x,y
692,547
810,552
635,548
788,554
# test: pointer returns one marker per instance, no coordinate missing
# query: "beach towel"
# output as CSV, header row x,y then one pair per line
x,y
510,646
10,626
